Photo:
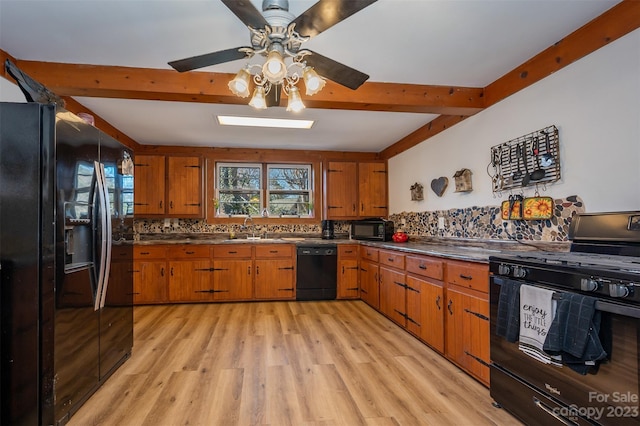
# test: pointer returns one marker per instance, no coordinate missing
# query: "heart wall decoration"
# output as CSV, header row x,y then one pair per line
x,y
439,185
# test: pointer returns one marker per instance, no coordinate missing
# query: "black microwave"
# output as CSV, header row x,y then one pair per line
x,y
372,230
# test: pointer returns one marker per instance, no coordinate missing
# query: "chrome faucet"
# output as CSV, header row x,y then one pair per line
x,y
244,225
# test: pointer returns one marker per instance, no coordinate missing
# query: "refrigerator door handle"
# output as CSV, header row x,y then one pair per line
x,y
99,170
109,243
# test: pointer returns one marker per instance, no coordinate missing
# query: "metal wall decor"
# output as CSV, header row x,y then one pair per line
x,y
528,160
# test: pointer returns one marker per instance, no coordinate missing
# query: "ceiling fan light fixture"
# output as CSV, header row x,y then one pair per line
x,y
239,86
295,100
312,81
274,69
258,100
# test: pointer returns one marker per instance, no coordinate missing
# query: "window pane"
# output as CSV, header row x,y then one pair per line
x,y
238,177
289,203
289,178
239,203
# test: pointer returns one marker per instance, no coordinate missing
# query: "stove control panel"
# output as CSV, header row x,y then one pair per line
x,y
621,290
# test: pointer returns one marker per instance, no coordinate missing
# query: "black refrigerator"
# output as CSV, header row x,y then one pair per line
x,y
66,261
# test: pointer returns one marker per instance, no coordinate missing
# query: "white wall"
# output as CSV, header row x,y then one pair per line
x,y
595,103
10,92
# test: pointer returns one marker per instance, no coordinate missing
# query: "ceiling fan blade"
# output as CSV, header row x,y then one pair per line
x,y
335,71
274,95
208,59
326,13
246,12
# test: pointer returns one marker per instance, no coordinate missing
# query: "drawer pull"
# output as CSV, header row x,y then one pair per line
x,y
423,267
348,251
466,277
232,252
449,306
412,320
481,361
144,252
287,268
191,252
400,284
390,259
273,251
412,289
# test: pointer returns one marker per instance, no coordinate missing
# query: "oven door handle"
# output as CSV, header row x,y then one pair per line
x,y
550,411
617,309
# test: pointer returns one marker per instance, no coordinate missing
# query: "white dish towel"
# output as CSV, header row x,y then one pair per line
x,y
537,309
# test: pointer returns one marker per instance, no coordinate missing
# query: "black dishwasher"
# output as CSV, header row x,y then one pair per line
x,y
317,272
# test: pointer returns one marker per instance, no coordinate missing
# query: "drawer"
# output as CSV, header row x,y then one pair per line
x,y
274,250
369,253
232,251
150,252
347,251
391,258
425,266
469,275
121,252
190,251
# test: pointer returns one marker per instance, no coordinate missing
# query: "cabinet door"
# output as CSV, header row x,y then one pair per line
x,y
149,182
275,279
453,319
425,311
372,189
476,337
185,186
232,279
369,284
190,281
348,279
150,282
392,295
341,190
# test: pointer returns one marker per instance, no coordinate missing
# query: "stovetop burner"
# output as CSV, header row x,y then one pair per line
x,y
602,263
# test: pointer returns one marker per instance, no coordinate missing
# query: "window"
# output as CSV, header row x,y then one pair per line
x,y
280,190
289,190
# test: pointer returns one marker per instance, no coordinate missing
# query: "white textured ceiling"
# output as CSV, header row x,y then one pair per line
x,y
441,42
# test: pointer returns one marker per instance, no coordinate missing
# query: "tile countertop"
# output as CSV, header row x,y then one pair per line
x,y
473,250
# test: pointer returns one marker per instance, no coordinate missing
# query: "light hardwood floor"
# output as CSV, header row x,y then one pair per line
x,y
283,363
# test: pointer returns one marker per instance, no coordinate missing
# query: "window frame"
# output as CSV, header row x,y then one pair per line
x,y
309,191
265,166
259,190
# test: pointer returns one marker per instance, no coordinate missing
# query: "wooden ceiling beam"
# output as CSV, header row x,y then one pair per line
x,y
169,85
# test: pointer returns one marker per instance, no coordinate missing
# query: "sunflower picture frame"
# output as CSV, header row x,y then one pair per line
x,y
537,208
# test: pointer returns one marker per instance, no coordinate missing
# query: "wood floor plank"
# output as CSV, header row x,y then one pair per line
x,y
283,363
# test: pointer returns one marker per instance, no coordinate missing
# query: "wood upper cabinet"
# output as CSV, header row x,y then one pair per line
x,y
275,273
467,318
149,179
348,272
184,194
356,190
372,189
168,186
341,190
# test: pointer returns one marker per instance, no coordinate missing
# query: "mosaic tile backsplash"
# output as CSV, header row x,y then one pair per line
x,y
470,223
487,223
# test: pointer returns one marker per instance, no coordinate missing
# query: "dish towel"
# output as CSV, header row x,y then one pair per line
x,y
508,318
574,333
537,309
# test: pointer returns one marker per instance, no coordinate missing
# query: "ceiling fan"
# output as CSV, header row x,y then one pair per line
x,y
278,35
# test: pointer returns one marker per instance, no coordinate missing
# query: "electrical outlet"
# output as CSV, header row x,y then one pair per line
x,y
441,223
167,222
403,221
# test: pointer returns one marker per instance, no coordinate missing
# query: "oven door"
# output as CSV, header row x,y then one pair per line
x,y
608,397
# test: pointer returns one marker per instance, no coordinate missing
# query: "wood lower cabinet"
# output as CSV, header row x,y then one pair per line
x,y
393,300
425,313
275,272
467,318
150,275
369,283
232,272
190,273
348,272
